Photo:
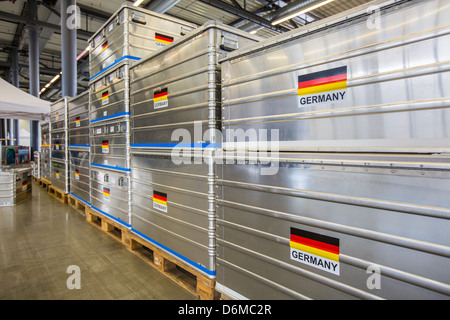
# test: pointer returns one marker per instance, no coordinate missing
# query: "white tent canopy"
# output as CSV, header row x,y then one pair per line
x,y
17,104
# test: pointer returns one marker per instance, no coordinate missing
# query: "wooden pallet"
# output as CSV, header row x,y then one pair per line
x,y
175,269
77,204
58,194
44,183
112,228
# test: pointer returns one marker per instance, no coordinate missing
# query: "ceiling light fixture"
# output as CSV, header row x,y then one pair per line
x,y
137,3
300,12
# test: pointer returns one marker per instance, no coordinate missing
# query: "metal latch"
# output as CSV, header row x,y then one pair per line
x,y
138,17
185,30
229,44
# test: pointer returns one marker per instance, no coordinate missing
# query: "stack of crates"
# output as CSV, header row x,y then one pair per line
x,y
36,165
59,173
130,34
45,152
356,185
79,148
177,89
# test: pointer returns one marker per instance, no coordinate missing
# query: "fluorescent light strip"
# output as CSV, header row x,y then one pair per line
x,y
137,3
295,14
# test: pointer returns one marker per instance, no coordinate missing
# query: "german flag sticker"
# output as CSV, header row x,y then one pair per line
x,y
162,40
324,86
57,174
105,146
106,193
160,98
316,250
160,201
104,47
77,122
77,174
24,186
105,98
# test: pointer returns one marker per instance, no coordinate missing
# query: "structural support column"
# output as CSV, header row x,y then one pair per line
x,y
15,82
33,57
69,23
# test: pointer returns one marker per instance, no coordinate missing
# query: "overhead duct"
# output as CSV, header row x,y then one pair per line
x,y
161,6
297,6
285,11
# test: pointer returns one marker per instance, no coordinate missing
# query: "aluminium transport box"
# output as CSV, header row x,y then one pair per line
x,y
79,173
59,164
173,205
180,84
45,134
79,147
45,164
344,84
334,226
15,185
132,33
78,120
36,165
110,194
110,93
45,153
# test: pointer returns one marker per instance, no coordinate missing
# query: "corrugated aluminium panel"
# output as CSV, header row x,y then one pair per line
x,y
345,84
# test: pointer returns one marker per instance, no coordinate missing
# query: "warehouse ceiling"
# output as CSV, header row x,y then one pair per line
x,y
255,16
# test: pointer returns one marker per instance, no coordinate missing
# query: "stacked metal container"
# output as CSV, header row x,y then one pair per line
x,y
355,204
45,158
59,175
175,98
15,185
79,148
36,165
126,37
130,34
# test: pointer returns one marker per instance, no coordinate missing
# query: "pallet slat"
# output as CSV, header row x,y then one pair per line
x,y
175,269
77,204
58,194
110,227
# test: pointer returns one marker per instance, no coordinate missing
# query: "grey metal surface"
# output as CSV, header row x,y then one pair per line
x,y
45,134
45,163
189,74
110,143
109,194
78,120
131,32
58,115
80,173
109,93
36,165
15,185
59,164
388,213
395,89
60,174
173,206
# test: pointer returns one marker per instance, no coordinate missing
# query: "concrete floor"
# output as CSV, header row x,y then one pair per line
x,y
41,237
